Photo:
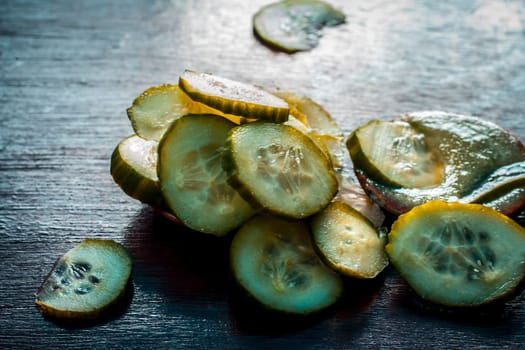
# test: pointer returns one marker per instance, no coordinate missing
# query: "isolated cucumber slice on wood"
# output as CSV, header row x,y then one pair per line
x,y
192,181
273,260
86,281
459,255
233,97
348,242
134,168
279,169
294,25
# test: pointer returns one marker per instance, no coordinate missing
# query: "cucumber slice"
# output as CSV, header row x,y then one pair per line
x,y
348,242
395,153
503,189
192,181
274,261
278,168
134,169
233,97
459,255
294,25
86,281
464,150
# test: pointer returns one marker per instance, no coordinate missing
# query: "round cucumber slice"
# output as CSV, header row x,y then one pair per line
x,y
233,97
274,261
134,169
455,156
460,255
294,25
192,180
348,242
278,168
86,281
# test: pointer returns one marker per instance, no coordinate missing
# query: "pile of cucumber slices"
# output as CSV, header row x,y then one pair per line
x,y
224,157
267,168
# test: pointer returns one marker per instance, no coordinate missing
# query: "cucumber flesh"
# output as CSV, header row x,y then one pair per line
x,y
348,242
279,169
86,281
394,153
192,180
274,261
460,255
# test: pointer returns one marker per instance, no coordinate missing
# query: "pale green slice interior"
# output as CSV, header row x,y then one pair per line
x,y
295,25
279,169
233,97
156,108
458,254
395,153
192,180
134,169
274,261
86,280
349,242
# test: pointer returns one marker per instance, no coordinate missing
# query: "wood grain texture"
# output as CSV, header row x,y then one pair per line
x,y
69,69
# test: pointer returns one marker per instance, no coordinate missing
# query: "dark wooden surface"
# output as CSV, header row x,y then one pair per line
x,y
68,70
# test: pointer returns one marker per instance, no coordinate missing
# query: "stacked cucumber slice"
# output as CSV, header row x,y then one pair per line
x,y
222,156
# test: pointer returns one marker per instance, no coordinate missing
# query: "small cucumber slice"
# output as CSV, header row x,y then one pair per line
x,y
294,25
278,168
395,153
86,281
348,242
134,169
153,111
457,254
192,180
274,261
233,97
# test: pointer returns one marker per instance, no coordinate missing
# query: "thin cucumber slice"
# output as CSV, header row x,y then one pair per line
x,y
233,97
86,281
134,169
503,189
313,120
294,25
153,111
348,242
279,169
192,180
274,261
395,153
460,255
